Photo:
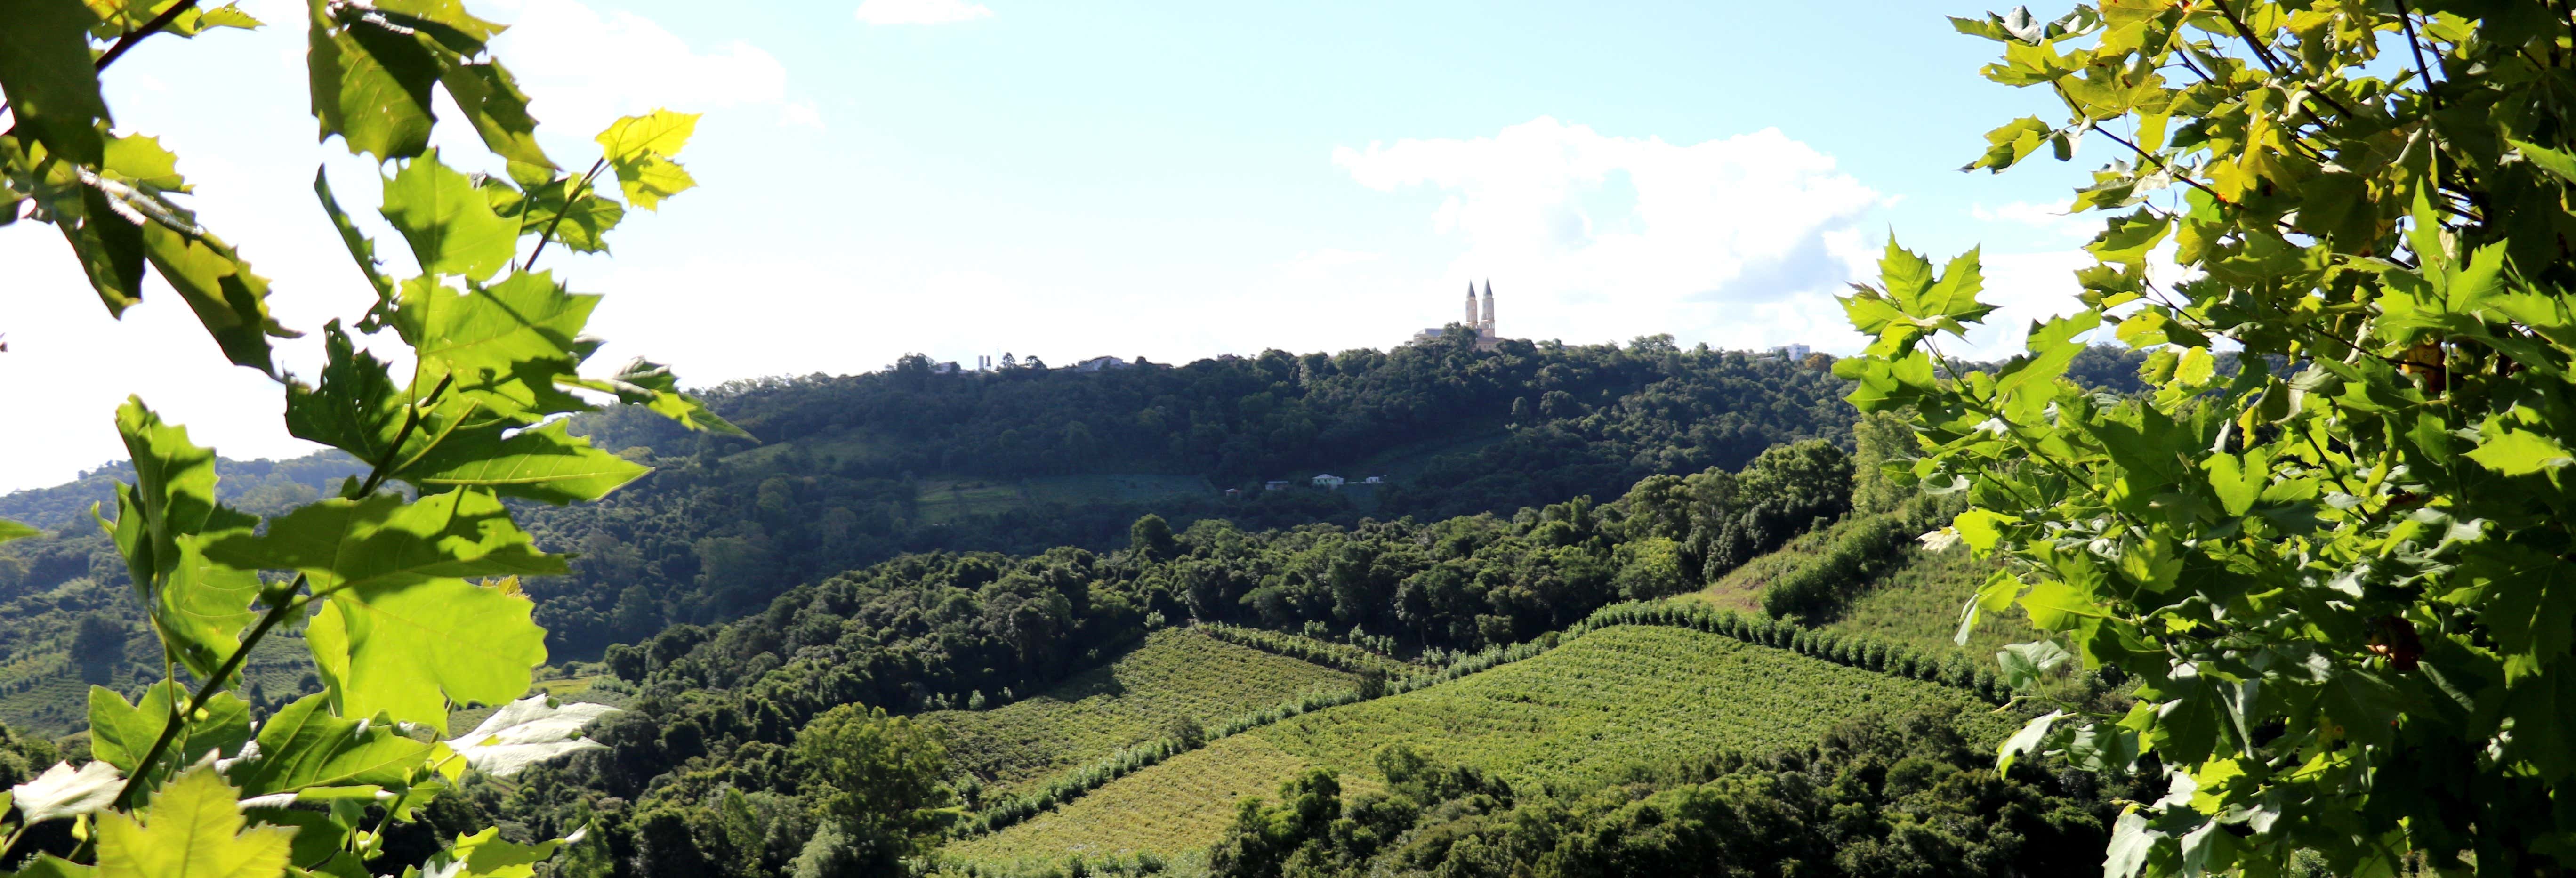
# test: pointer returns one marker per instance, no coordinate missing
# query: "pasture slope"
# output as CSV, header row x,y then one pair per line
x,y
1568,718
1176,676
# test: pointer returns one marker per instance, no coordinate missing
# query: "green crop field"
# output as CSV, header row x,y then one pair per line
x,y
1177,674
1573,717
1918,605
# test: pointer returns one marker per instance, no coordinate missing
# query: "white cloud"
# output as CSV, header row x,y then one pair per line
x,y
921,11
2046,218
1739,242
584,69
801,114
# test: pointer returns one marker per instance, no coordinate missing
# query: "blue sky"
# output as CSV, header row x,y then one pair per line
x,y
1071,179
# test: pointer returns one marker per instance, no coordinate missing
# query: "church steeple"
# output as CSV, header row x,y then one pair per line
x,y
1471,304
1486,327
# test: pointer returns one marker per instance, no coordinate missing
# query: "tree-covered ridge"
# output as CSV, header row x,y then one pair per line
x,y
860,468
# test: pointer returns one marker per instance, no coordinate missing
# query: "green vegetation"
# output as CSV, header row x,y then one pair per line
x,y
1917,604
1571,717
1177,678
2362,518
1879,794
404,581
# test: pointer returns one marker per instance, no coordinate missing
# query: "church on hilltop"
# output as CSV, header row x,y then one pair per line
x,y
1482,323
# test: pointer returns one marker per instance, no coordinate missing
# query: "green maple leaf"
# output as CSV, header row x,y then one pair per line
x,y
641,148
230,300
361,250
164,522
448,222
543,463
194,829
354,407
109,247
506,344
382,542
410,650
370,84
122,733
498,110
2519,452
400,632
304,746
45,68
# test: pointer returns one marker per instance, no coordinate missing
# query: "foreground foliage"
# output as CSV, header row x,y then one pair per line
x,y
408,601
2338,569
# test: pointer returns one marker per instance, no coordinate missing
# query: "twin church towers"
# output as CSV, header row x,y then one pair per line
x,y
1482,321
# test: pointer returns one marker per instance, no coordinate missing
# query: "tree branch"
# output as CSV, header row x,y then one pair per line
x,y
578,190
149,28
2407,20
206,692
2264,54
411,421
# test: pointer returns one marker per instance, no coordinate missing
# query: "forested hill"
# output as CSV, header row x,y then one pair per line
x,y
855,469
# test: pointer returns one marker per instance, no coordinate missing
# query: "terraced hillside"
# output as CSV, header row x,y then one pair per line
x,y
1572,717
1177,676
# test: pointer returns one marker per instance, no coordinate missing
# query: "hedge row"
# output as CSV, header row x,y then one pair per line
x,y
1339,656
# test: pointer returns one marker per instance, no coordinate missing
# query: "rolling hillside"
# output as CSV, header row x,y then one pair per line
x,y
1177,676
1575,716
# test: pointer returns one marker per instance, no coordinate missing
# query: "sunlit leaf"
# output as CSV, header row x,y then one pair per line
x,y
304,746
506,344
410,649
194,829
448,222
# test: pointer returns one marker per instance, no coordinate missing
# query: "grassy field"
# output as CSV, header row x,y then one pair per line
x,y
1176,675
1741,588
1573,717
1918,605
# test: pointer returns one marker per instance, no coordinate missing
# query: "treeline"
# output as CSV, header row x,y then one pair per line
x,y
722,527
717,704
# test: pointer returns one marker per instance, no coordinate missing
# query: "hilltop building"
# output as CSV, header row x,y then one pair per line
x,y
1792,352
1481,322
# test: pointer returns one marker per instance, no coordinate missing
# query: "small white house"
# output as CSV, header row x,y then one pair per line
x,y
1328,480
1374,480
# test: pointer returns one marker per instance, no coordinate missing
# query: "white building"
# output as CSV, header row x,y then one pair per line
x,y
1328,480
1792,352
